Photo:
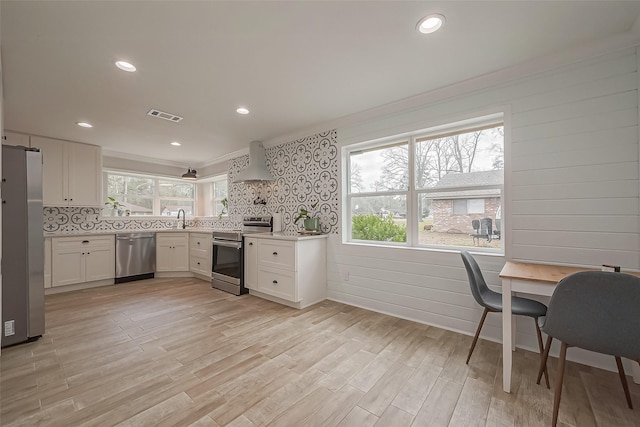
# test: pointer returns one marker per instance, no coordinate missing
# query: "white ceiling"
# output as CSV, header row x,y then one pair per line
x,y
295,65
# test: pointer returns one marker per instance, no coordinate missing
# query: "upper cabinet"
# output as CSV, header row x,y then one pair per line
x,y
71,172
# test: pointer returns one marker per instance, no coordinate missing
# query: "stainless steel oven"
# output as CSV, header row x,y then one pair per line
x,y
228,254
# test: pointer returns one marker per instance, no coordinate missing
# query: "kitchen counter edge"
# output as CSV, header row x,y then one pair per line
x,y
284,235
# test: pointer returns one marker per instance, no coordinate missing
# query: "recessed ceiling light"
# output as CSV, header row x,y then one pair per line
x,y
84,124
242,110
430,23
125,66
176,143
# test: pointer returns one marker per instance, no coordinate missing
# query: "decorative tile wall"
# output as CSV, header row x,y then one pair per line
x,y
306,172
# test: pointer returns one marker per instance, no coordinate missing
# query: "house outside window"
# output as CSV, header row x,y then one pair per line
x,y
425,189
150,195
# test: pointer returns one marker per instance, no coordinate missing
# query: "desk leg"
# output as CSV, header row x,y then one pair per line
x,y
507,337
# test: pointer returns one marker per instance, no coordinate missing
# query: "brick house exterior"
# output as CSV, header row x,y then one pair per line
x,y
445,220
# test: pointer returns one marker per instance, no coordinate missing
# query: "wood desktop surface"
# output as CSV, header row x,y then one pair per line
x,y
544,273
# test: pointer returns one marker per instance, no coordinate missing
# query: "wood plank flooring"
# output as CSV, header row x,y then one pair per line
x,y
174,352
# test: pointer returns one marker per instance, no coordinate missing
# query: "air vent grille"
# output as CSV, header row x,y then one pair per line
x,y
162,115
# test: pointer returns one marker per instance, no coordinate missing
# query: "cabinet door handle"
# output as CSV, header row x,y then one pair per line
x,y
198,242
250,243
198,263
275,253
88,253
275,282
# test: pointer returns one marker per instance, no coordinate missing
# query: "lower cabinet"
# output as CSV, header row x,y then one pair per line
x,y
82,259
200,254
172,252
293,272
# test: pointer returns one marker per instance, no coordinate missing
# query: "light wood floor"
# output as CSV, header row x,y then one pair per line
x,y
167,352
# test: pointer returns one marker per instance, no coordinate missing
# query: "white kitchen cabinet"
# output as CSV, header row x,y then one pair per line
x,y
291,271
47,262
172,252
82,259
200,253
250,263
12,138
71,172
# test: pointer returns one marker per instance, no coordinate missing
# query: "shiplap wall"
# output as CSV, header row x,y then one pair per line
x,y
571,193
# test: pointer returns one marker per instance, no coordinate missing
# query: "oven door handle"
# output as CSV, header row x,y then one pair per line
x,y
227,244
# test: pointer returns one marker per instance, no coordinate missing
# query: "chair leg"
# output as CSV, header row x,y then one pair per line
x,y
558,392
544,357
541,347
623,379
475,339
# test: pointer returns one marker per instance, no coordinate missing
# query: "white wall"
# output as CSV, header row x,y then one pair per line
x,y
571,192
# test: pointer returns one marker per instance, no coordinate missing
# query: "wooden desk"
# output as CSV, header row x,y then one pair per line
x,y
536,279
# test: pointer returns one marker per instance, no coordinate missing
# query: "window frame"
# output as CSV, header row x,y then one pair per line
x,y
156,197
413,193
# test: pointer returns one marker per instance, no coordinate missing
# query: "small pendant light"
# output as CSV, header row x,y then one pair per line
x,y
191,174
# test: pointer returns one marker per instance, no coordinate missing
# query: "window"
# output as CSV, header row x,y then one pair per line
x,y
468,206
150,195
425,188
218,194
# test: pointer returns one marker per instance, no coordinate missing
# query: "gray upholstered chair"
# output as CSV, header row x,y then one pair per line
x,y
492,302
597,311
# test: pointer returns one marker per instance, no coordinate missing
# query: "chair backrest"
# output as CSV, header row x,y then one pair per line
x,y
477,284
597,311
485,226
475,223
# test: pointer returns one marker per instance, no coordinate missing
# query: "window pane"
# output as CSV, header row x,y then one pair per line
x,y
448,221
134,192
460,207
219,192
435,159
379,218
475,206
383,169
171,207
176,189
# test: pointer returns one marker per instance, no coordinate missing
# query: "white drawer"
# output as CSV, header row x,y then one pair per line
x,y
277,254
92,242
278,283
200,265
172,239
200,241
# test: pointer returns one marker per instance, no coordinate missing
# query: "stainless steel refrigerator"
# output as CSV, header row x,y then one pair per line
x,y
22,245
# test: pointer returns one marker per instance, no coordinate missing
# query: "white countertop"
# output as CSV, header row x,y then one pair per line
x,y
206,230
287,235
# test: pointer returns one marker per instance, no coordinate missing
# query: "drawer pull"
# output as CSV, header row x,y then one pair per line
x,y
198,242
275,253
85,241
275,282
250,243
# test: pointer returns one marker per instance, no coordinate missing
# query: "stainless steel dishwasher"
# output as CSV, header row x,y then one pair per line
x,y
135,256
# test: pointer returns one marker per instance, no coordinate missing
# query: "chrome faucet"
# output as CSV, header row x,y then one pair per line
x,y
184,224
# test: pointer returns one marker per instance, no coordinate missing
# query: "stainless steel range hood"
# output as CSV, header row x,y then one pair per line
x,y
257,169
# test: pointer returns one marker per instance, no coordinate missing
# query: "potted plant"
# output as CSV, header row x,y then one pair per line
x,y
115,206
225,205
311,223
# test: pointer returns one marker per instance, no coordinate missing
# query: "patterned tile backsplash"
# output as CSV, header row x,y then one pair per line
x,y
74,220
306,172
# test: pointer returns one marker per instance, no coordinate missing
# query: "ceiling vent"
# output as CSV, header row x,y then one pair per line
x,y
162,115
